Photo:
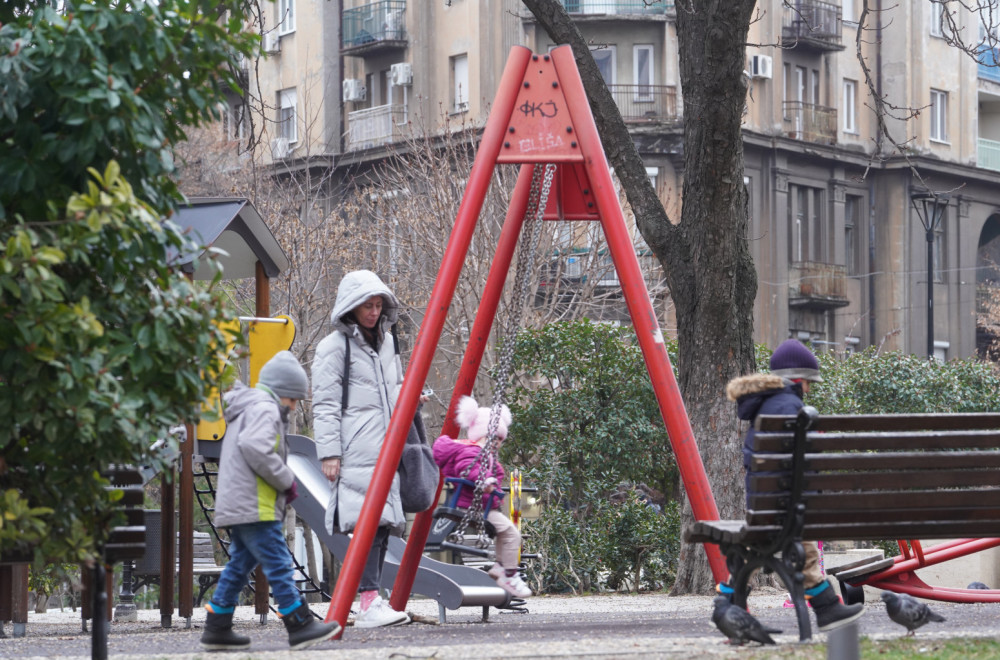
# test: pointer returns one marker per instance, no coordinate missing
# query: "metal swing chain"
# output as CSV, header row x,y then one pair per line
x,y
538,197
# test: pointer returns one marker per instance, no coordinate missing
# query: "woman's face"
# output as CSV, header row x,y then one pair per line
x,y
367,313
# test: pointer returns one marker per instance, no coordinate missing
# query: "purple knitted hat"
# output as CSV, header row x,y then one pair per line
x,y
792,360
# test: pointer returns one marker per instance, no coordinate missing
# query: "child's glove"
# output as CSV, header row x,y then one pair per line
x,y
292,493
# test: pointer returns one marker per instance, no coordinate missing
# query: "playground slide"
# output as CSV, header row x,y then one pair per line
x,y
451,585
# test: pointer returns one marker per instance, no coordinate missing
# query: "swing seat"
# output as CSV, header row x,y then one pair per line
x,y
452,511
448,516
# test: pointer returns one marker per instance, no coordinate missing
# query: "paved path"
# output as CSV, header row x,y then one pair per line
x,y
592,627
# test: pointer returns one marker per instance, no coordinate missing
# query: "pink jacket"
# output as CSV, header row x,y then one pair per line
x,y
453,457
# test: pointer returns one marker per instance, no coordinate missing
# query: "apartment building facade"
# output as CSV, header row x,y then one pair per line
x,y
836,230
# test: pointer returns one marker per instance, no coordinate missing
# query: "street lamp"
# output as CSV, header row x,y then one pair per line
x,y
930,208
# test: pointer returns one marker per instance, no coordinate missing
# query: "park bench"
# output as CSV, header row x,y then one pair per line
x,y
147,569
857,477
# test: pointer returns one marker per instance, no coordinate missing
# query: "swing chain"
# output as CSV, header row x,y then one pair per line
x,y
541,186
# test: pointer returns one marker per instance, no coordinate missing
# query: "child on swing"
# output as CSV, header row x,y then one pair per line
x,y
455,456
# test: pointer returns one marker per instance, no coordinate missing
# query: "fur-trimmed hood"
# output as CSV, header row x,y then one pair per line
x,y
753,384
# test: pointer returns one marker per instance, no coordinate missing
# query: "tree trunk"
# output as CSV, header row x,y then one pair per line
x,y
705,255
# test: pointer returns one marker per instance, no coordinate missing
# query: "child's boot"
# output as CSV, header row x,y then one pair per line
x,y
303,629
218,634
830,612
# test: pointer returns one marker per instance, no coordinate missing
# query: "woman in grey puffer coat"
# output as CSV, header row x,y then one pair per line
x,y
348,441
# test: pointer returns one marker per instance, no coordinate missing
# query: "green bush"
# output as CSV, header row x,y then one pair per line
x,y
869,382
586,421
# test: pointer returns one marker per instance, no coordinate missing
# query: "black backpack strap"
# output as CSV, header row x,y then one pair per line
x,y
395,337
347,374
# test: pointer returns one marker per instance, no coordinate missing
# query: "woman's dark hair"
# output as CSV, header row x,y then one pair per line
x,y
373,337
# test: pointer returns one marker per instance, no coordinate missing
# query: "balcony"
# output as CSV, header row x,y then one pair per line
x,y
646,103
817,286
373,127
812,25
988,69
988,154
578,266
374,27
810,122
617,7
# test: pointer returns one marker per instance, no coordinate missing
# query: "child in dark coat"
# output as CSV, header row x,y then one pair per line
x,y
455,456
780,392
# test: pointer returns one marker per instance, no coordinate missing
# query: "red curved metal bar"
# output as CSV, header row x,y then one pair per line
x,y
901,578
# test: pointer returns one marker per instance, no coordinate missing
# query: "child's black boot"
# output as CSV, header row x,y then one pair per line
x,y
218,634
303,629
830,612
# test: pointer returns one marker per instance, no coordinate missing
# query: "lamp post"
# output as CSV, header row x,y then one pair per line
x,y
930,208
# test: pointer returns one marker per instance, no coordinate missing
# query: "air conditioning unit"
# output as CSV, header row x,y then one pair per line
x,y
279,148
354,90
760,66
272,42
402,73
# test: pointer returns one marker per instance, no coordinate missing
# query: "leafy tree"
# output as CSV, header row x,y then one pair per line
x,y
103,343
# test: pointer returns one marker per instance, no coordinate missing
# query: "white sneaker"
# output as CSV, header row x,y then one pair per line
x,y
496,571
380,614
514,585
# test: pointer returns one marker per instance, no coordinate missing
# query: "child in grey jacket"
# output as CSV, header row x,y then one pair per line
x,y
255,486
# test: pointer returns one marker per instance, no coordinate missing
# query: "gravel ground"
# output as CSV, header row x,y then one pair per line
x,y
604,626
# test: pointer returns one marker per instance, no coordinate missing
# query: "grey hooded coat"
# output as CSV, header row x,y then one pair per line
x,y
253,477
356,434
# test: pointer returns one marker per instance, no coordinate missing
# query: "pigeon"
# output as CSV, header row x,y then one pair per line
x,y
737,624
908,612
977,585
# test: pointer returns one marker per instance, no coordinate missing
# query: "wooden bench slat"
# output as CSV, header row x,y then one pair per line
x,y
847,516
910,422
874,481
892,460
890,499
905,441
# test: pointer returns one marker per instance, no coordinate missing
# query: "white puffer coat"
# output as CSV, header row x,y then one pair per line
x,y
356,434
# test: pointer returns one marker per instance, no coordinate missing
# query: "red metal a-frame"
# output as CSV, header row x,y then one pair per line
x,y
540,115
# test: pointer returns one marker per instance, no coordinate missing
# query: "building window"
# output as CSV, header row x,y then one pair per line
x,y
286,115
233,120
848,12
460,83
850,106
286,16
939,115
937,19
605,57
643,73
852,234
807,225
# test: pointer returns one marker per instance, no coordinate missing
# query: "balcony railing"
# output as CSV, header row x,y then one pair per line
x,y
374,25
988,69
817,285
988,154
577,266
812,23
620,7
646,103
376,126
810,122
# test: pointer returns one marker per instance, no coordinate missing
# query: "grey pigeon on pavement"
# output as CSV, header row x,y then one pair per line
x,y
737,624
908,612
977,585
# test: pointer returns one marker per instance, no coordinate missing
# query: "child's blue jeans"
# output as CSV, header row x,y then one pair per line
x,y
251,544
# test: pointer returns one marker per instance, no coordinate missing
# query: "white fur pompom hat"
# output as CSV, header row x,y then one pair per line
x,y
470,416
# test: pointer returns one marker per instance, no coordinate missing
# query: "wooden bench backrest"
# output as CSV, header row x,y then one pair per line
x,y
880,476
